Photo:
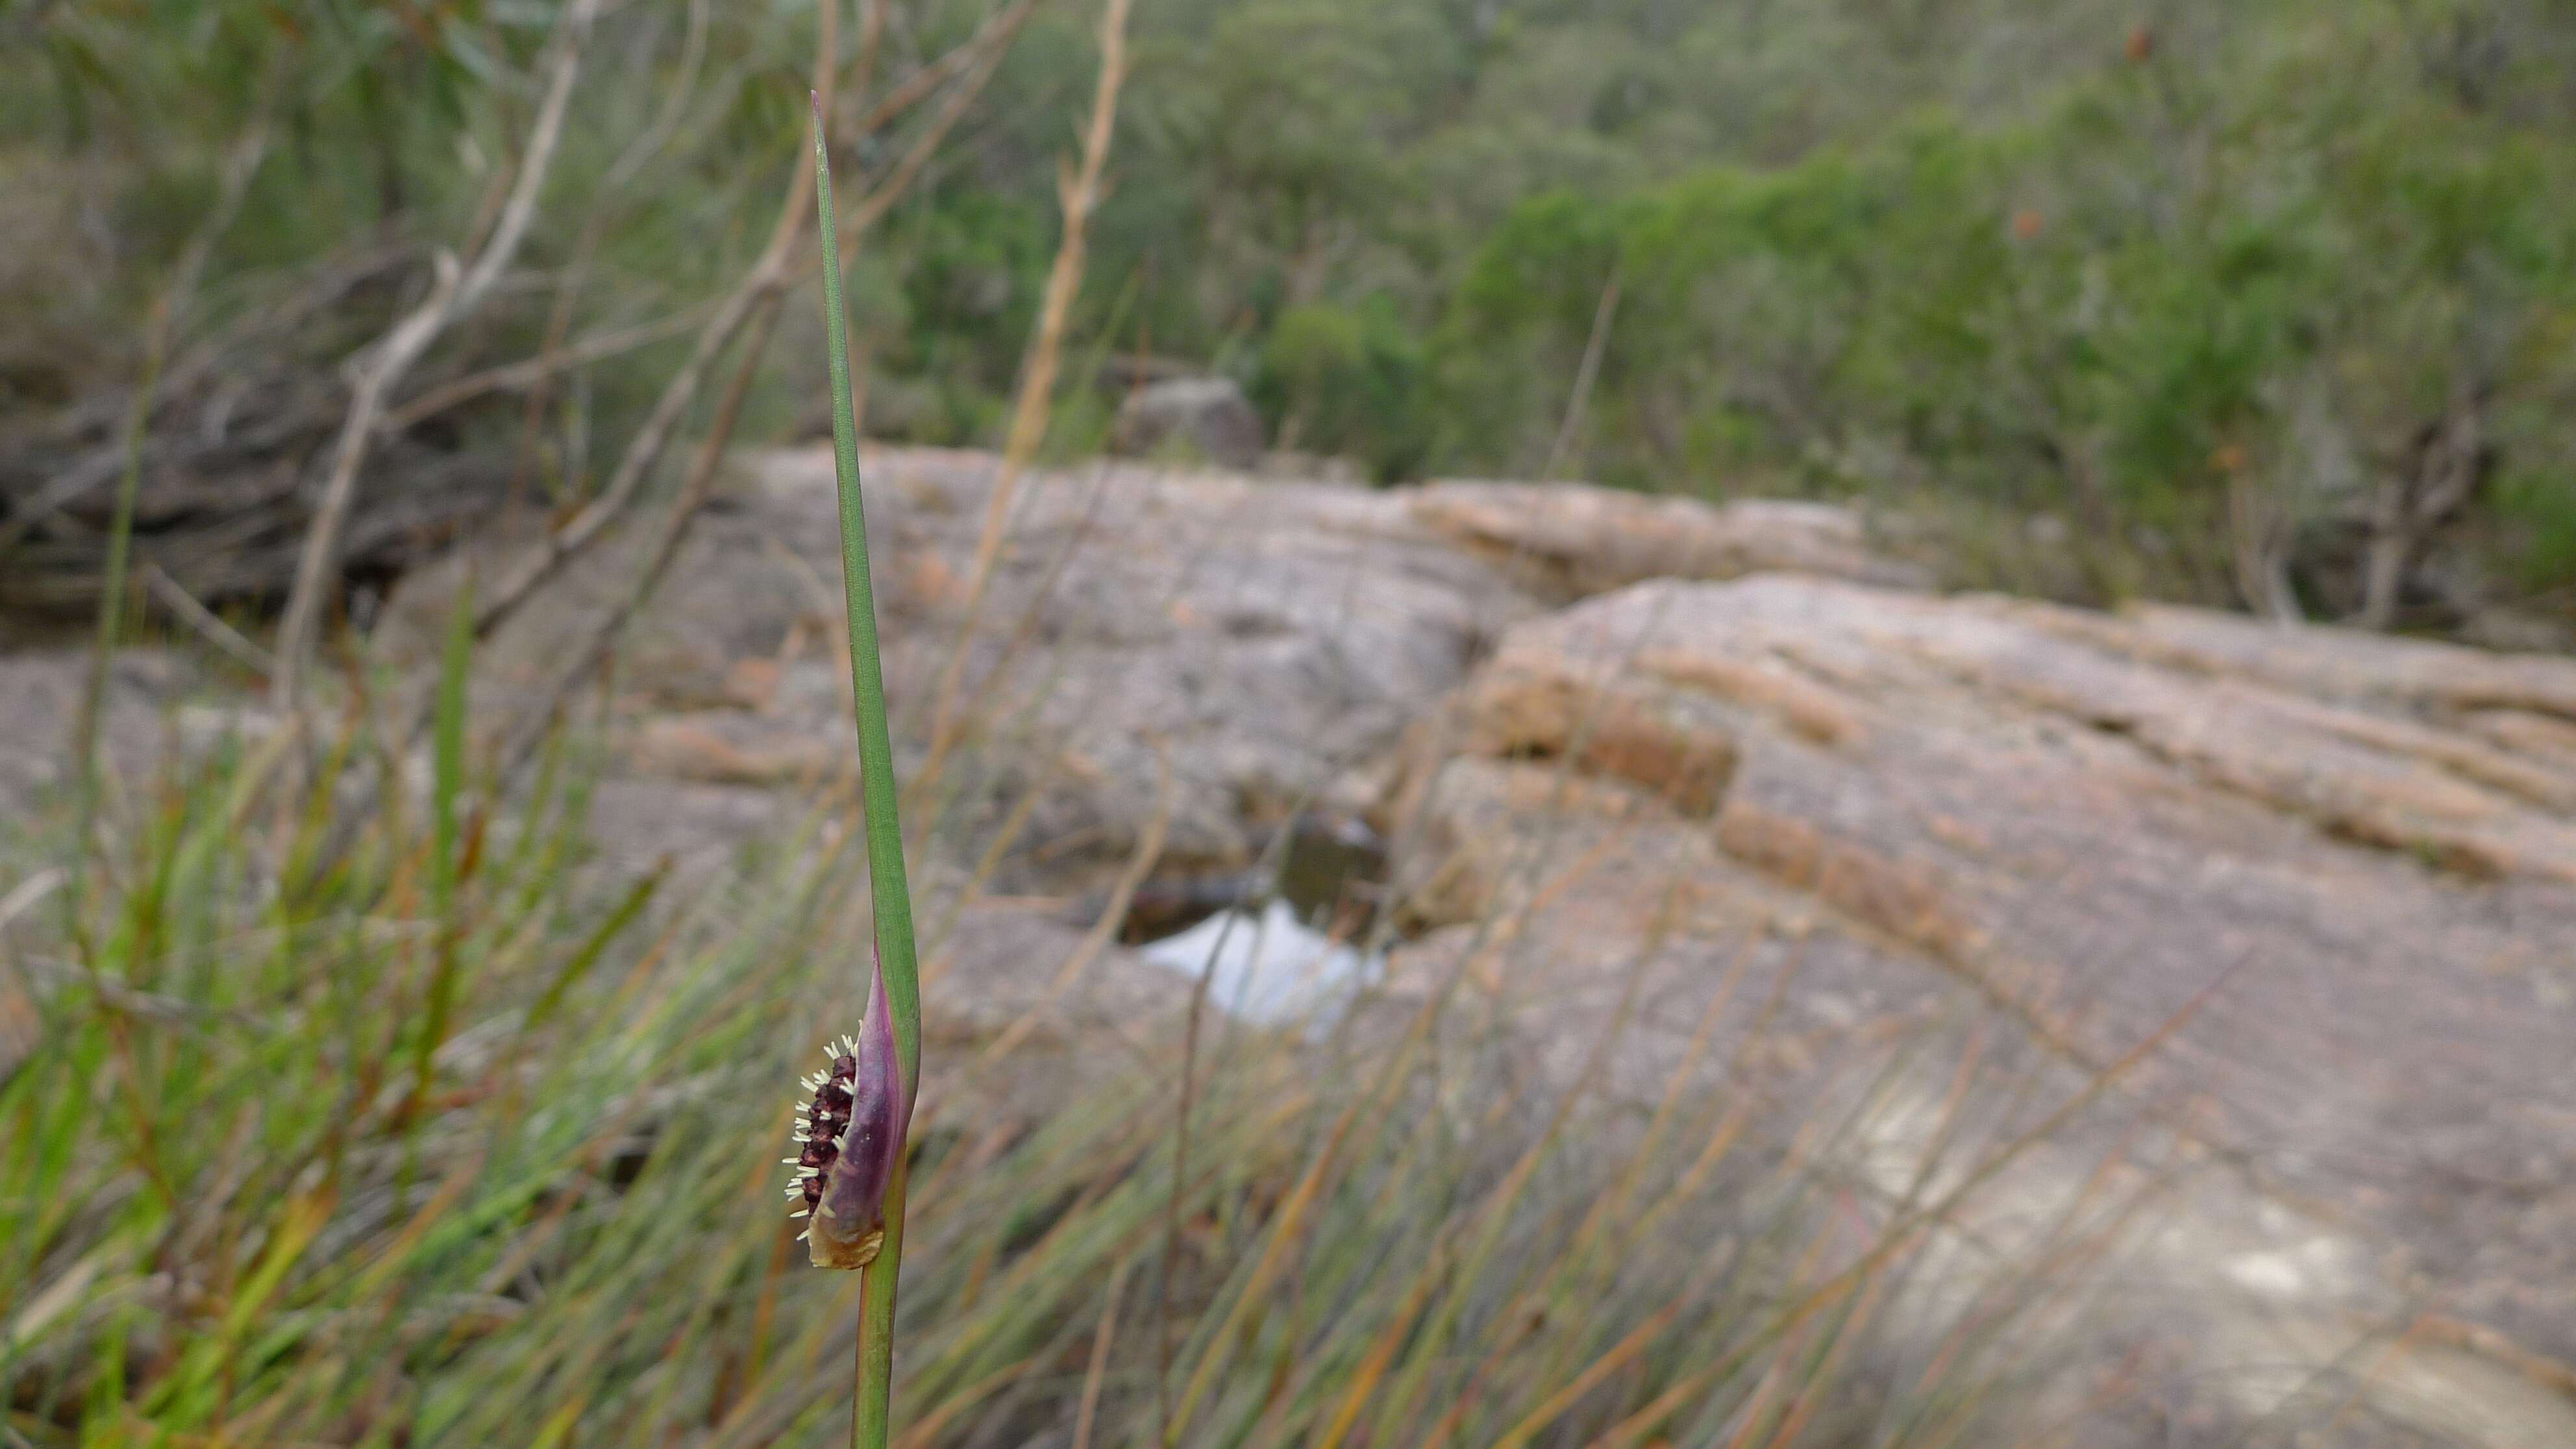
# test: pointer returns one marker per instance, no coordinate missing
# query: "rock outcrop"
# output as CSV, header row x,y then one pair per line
x,y
1208,418
1568,539
40,693
2274,930
2331,878
1265,643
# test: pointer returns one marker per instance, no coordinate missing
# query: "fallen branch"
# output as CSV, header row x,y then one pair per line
x,y
768,277
758,301
455,294
206,622
530,371
256,331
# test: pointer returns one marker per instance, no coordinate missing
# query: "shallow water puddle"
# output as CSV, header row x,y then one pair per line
x,y
1268,966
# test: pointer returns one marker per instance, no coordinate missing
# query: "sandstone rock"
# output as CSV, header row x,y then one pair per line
x,y
1469,846
1265,640
2530,735
40,694
1312,468
2028,836
2344,664
733,747
1633,729
2059,828
1209,417
1570,539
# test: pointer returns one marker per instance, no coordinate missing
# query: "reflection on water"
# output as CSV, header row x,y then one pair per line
x,y
1267,966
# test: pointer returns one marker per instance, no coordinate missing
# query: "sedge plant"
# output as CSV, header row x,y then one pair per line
x,y
850,1159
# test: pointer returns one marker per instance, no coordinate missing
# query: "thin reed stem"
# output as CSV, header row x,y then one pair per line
x,y
893,903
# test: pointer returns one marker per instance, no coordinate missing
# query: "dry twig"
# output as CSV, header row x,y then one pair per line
x,y
760,289
754,305
456,293
206,622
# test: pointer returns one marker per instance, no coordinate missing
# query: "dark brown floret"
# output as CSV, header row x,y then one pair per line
x,y
826,1121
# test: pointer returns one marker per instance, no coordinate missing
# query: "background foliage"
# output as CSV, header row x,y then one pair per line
x,y
2203,298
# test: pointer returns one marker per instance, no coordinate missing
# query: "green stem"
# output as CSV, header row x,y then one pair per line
x,y
877,808
875,1382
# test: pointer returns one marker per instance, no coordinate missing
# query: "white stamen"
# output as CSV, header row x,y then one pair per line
x,y
795,1215
809,1172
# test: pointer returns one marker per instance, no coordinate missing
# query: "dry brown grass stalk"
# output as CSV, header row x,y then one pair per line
x,y
1079,191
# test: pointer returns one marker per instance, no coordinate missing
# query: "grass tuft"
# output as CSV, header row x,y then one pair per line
x,y
235,1209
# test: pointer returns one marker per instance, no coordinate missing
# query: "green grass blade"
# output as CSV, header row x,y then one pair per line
x,y
447,770
867,676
